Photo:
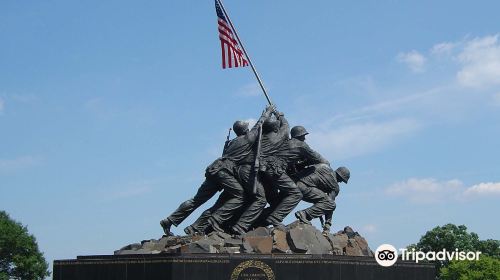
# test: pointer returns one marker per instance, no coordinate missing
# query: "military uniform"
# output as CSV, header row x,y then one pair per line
x,y
206,191
237,161
319,186
270,144
274,168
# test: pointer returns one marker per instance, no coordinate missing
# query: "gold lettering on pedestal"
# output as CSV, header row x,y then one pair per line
x,y
252,270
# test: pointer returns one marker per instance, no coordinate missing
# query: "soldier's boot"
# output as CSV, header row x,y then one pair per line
x,y
190,230
279,226
238,230
302,217
326,229
215,225
166,224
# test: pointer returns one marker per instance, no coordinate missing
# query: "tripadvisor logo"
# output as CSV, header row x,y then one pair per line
x,y
386,255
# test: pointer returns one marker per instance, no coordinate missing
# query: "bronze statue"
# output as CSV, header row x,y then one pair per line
x,y
263,166
319,185
290,152
220,176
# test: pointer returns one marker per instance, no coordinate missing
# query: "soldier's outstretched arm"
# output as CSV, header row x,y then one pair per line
x,y
284,126
312,156
254,132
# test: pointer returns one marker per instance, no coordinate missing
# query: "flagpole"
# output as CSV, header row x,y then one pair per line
x,y
246,54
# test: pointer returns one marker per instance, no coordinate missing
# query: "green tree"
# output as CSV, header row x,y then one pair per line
x,y
451,237
490,247
19,254
485,268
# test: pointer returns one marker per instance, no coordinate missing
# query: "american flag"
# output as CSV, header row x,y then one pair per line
x,y
232,55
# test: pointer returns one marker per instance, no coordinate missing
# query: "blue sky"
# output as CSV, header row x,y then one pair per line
x,y
111,110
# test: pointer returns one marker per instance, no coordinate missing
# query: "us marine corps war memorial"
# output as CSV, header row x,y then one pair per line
x,y
262,175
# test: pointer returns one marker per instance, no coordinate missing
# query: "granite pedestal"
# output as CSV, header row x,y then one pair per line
x,y
236,267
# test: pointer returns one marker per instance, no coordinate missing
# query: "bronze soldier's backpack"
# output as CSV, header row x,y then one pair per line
x,y
218,165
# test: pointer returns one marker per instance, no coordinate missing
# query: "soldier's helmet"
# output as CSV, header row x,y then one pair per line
x,y
270,125
344,173
240,127
298,131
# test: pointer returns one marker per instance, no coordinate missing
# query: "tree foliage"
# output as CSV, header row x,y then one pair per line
x,y
490,247
451,237
20,257
484,268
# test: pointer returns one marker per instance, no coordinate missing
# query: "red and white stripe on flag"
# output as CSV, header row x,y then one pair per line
x,y
232,55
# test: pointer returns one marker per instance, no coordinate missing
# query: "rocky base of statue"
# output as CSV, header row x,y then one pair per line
x,y
298,251
296,238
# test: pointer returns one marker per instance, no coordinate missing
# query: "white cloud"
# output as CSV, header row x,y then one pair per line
x,y
18,163
359,131
430,190
370,228
420,102
413,59
480,60
249,90
359,139
443,48
485,189
427,190
2,104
